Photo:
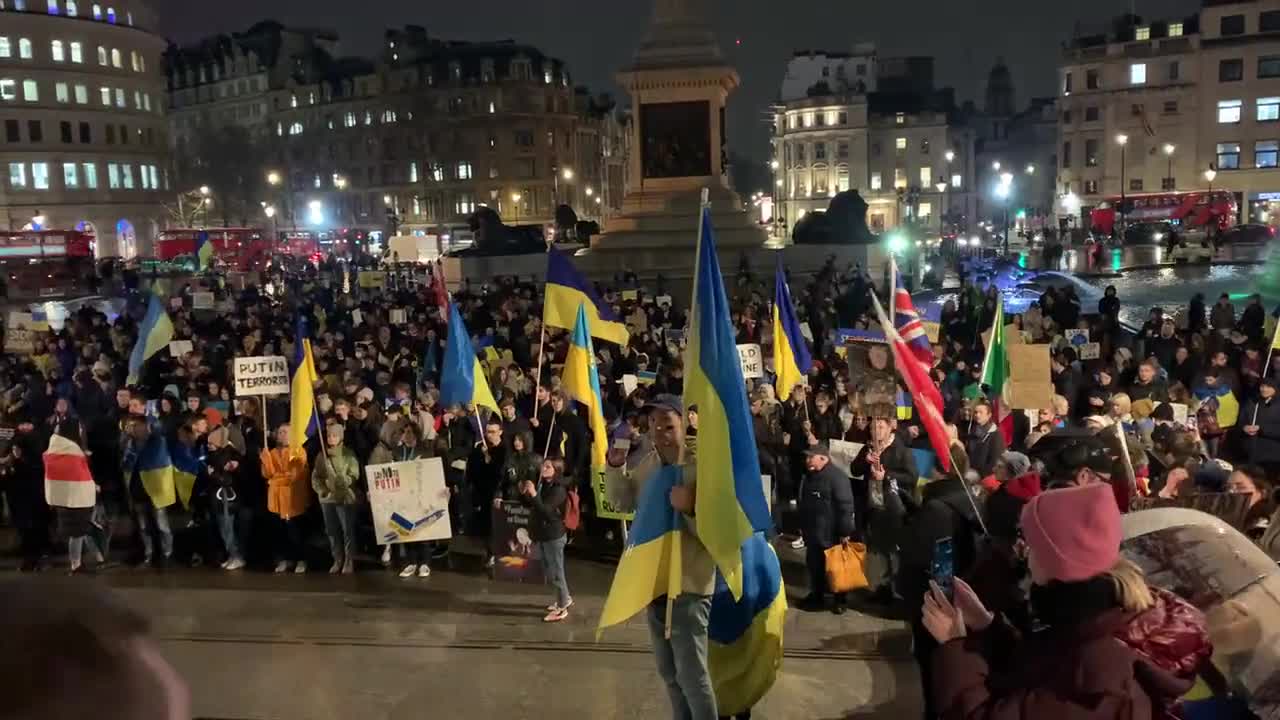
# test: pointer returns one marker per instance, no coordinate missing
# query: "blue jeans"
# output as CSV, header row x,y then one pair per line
x,y
682,659
232,527
340,526
151,517
552,553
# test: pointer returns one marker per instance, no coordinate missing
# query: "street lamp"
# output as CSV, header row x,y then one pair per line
x,y
204,190
1168,153
949,155
515,199
1031,169
773,164
996,166
315,212
1123,141
942,190
273,178
590,191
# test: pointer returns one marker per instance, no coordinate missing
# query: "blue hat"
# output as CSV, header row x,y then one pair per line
x,y
665,402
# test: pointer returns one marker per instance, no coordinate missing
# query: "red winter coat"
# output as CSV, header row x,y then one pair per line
x,y
1174,637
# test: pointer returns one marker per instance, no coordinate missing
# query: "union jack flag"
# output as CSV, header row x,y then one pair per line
x,y
907,320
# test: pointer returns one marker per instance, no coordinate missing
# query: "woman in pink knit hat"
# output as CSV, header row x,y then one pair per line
x,y
1084,594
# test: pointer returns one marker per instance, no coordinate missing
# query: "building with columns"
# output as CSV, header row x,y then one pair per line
x,y
82,121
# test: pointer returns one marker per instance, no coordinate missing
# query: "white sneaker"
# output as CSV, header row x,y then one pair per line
x,y
225,563
798,543
236,564
386,556
301,568
409,571
282,567
424,571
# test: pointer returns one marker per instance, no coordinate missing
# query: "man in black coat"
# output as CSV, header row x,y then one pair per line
x,y
1261,420
826,516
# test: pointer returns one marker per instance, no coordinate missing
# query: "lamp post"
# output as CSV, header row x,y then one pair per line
x,y
515,206
1003,190
1123,141
942,192
1209,175
567,174
275,180
205,194
1168,154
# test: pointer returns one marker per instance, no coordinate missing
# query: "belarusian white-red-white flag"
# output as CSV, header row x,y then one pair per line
x,y
924,392
995,375
67,480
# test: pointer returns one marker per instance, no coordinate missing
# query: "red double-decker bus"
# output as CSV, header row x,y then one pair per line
x,y
46,263
299,243
1194,209
243,249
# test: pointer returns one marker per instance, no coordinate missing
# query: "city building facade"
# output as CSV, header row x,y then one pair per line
x,y
83,137
1016,155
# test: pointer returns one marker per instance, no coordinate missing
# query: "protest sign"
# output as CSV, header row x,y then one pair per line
x,y
20,333
1180,413
202,301
1076,338
664,300
1089,351
261,376
1030,383
806,332
178,348
357,317
372,280
604,508
752,361
410,501
513,548
629,384
631,295
843,454
399,316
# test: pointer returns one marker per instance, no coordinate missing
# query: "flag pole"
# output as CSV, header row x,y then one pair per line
x,y
965,484
1266,369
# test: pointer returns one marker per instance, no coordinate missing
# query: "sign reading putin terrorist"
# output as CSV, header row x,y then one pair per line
x,y
261,376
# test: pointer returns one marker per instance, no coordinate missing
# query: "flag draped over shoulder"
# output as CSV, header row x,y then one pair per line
x,y
154,334
745,649
566,291
204,250
463,381
650,566
730,504
67,480
155,467
926,400
582,382
302,389
791,359
995,375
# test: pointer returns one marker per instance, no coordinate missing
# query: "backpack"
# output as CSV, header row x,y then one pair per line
x,y
572,510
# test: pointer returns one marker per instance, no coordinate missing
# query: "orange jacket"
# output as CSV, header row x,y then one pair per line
x,y
288,484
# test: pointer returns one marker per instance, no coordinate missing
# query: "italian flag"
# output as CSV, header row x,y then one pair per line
x,y
995,376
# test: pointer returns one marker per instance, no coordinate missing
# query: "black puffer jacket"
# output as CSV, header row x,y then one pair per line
x,y
548,511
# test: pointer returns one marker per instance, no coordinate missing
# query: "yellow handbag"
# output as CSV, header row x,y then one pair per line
x,y
846,566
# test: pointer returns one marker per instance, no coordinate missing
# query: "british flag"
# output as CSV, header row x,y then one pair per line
x,y
907,320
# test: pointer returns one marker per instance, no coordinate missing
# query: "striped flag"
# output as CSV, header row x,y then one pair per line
x,y
995,375
907,320
67,480
926,399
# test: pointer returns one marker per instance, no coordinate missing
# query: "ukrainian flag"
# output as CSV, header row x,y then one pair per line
x,y
186,467
745,652
566,290
650,566
791,359
302,395
204,251
582,382
730,498
154,334
155,467
463,381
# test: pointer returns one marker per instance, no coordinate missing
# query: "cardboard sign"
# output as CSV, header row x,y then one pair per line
x,y
604,508
261,376
843,453
179,348
513,549
1180,412
631,295
409,501
357,317
399,316
752,361
1030,383
202,301
372,280
20,333
629,384
1076,338
1089,351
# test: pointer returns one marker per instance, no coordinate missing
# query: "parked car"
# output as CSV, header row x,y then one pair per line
x,y
1154,233
1249,233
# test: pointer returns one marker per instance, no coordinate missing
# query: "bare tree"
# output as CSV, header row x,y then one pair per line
x,y
232,164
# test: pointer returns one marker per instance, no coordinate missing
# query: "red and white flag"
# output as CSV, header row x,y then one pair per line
x,y
67,480
924,393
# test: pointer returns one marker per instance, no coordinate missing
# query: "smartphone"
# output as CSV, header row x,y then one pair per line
x,y
943,570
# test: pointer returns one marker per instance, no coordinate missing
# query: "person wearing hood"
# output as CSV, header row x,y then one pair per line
x,y
399,441
334,480
1085,595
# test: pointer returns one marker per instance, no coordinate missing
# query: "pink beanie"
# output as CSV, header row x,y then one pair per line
x,y
1074,533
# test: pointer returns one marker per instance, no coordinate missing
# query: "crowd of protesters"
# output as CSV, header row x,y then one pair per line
x,y
1185,406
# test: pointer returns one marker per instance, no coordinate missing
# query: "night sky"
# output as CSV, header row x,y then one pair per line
x,y
757,36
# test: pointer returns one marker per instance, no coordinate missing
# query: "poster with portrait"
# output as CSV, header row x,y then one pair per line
x,y
515,556
409,501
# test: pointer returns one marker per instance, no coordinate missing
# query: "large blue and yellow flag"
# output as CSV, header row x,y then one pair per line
x,y
154,334
650,566
730,503
302,389
186,467
791,359
582,382
566,291
204,251
745,649
155,468
462,382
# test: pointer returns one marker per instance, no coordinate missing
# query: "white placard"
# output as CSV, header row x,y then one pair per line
x,y
664,300
409,501
179,348
1076,338
398,316
752,361
1180,412
261,376
20,333
806,332
843,454
202,301
767,481
357,317
1089,351
629,384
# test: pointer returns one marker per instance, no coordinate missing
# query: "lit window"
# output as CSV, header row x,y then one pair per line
x,y
1175,29
546,77
90,175
437,172
295,129
1142,33
842,179
1138,74
464,171
6,47
832,117
70,175
388,116
143,178
876,183
279,129
57,51
111,15
955,181
413,171
116,60
155,176
808,120
106,97
62,92
53,7
900,143
146,102
133,60
926,177
30,91
493,108
120,103
1268,109
1228,156
82,95
77,52
368,118
349,120
1229,111
8,89
925,209
71,8
899,178
113,176
1265,153
102,56
126,176
97,11
25,51
17,175
40,175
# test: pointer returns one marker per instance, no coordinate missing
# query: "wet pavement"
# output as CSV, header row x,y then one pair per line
x,y
265,647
